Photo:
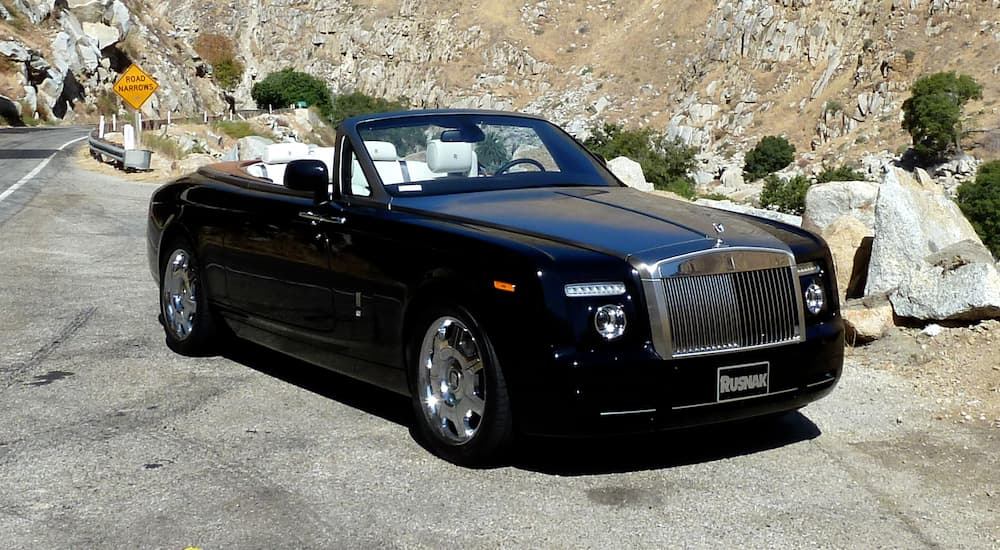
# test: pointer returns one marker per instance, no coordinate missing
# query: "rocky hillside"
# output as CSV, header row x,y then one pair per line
x,y
831,75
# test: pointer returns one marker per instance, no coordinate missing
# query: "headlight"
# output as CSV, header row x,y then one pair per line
x,y
815,298
610,321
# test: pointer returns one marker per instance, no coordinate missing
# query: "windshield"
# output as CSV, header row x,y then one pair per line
x,y
435,154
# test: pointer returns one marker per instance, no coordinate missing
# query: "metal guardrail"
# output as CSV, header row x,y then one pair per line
x,y
132,159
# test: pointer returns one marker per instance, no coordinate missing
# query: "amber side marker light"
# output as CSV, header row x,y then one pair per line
x,y
506,287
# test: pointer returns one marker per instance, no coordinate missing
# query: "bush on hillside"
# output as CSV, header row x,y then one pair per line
x,y
932,114
287,87
980,202
788,196
219,52
772,153
664,163
843,173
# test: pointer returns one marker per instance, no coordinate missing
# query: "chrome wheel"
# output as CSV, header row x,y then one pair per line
x,y
180,298
451,381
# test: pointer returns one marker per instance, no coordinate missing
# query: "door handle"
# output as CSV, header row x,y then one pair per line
x,y
316,218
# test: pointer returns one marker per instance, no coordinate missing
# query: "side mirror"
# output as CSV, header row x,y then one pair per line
x,y
308,175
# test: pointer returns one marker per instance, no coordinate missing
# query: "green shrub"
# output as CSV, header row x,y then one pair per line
x,y
980,202
843,173
491,152
287,87
787,196
772,153
664,163
236,129
932,114
219,52
164,145
909,56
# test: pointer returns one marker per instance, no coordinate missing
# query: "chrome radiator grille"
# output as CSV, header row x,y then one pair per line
x,y
731,311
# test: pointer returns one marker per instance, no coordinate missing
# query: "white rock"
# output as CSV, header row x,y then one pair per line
x,y
104,35
630,172
910,224
932,330
252,147
968,293
825,202
15,51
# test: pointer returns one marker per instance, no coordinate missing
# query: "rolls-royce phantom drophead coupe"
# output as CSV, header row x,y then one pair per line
x,y
491,268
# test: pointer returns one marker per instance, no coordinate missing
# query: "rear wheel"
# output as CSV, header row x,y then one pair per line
x,y
459,393
187,320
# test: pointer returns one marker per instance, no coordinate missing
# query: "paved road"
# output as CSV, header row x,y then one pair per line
x,y
108,440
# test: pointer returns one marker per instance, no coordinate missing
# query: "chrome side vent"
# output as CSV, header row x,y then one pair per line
x,y
721,312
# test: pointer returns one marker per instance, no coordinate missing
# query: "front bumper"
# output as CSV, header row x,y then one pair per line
x,y
600,393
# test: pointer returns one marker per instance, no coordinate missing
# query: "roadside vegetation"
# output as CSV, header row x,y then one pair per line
x,y
237,129
980,202
290,87
772,153
933,114
164,145
785,195
665,163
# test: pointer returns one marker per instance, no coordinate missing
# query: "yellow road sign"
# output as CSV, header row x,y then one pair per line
x,y
135,86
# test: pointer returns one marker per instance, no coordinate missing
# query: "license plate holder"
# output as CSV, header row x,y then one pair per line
x,y
745,381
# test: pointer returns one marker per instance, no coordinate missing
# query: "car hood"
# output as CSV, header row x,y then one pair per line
x,y
622,222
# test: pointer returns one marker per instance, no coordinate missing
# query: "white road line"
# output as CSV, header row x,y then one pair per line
x,y
37,169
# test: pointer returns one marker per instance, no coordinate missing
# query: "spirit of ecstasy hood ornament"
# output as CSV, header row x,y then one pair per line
x,y
719,229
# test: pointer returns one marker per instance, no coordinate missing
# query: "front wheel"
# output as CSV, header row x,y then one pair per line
x,y
187,320
459,393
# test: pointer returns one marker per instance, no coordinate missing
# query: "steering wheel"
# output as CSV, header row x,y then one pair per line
x,y
512,163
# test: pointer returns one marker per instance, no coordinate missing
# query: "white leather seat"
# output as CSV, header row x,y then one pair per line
x,y
451,158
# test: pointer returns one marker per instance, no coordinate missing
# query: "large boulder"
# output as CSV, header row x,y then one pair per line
x,y
826,202
911,223
850,244
630,172
927,258
960,282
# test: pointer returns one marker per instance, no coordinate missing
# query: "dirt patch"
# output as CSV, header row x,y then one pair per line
x,y
959,368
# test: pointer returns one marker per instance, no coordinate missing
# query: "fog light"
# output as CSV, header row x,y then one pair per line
x,y
610,321
815,298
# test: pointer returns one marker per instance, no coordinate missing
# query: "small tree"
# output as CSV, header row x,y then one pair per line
x,y
932,114
665,163
772,153
787,196
289,86
980,202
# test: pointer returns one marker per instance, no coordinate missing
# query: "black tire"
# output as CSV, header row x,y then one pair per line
x,y
188,322
450,349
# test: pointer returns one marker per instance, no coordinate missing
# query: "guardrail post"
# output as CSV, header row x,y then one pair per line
x,y
114,123
100,129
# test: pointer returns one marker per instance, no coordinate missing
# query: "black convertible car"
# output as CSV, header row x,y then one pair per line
x,y
491,268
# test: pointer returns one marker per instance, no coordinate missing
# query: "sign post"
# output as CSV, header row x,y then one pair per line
x,y
135,87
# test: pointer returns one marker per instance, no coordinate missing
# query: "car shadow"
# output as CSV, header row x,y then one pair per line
x,y
667,449
337,387
551,456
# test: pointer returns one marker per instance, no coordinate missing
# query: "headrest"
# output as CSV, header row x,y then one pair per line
x,y
449,157
381,150
278,153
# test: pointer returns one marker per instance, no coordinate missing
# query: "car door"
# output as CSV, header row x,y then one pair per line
x,y
278,264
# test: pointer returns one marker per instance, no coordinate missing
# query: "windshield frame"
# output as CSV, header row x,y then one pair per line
x,y
578,167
